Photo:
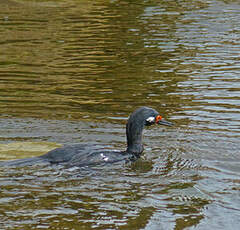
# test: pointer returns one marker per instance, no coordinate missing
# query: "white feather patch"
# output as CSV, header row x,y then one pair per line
x,y
104,157
150,119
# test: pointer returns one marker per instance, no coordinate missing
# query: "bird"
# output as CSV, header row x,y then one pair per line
x,y
85,154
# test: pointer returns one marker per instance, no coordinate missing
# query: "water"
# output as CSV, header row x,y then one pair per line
x,y
72,71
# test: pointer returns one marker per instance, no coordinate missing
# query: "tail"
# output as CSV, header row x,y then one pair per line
x,y
22,162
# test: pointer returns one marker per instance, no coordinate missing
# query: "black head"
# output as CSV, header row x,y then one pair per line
x,y
143,116
147,116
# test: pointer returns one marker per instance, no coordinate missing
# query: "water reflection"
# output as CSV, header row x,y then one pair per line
x,y
122,198
72,72
82,70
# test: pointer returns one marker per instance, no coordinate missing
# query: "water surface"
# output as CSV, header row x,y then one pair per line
x,y
72,71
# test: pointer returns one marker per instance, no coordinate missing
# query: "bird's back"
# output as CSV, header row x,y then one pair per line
x,y
84,155
75,155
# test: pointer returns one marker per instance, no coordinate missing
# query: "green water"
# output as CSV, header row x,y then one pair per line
x,y
72,71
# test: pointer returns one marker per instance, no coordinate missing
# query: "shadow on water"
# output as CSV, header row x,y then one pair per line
x,y
72,71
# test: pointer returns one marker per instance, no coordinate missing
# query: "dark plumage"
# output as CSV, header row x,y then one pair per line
x,y
85,154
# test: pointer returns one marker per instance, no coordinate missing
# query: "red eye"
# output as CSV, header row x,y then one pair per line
x,y
158,118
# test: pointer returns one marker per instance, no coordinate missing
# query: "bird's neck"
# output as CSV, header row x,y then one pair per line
x,y
134,138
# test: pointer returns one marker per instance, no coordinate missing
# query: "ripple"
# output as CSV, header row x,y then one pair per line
x,y
71,72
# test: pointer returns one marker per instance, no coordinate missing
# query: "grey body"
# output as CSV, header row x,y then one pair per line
x,y
85,154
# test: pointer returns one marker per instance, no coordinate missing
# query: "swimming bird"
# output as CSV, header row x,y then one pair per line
x,y
86,155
